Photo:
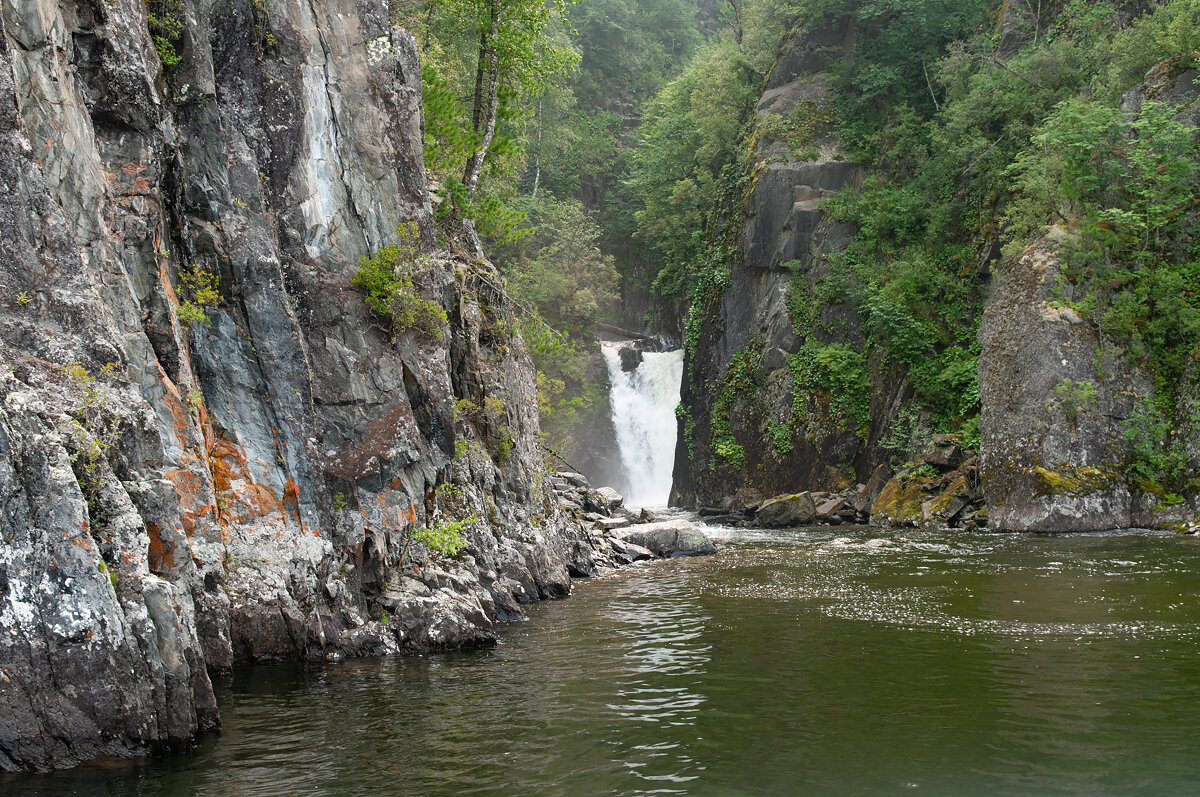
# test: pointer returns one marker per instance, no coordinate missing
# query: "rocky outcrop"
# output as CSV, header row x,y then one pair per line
x,y
1057,404
786,510
620,536
275,475
751,422
1058,428
669,539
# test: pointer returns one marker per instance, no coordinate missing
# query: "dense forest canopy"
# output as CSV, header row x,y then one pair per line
x,y
624,136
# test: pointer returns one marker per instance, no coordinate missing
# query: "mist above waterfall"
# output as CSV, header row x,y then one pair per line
x,y
643,402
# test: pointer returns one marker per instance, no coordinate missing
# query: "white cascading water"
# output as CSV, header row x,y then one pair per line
x,y
643,405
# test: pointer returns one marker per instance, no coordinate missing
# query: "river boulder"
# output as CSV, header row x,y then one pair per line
x,y
786,510
669,538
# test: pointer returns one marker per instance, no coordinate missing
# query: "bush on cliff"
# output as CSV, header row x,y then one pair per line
x,y
390,289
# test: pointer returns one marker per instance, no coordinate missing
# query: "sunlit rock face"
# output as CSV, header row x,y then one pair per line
x,y
240,489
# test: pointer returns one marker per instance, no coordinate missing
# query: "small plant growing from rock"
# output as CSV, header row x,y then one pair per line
x,y
387,279
444,537
23,299
95,429
165,20
1074,396
198,292
103,567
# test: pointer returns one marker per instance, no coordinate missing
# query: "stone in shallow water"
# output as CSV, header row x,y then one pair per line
x,y
669,538
786,510
632,551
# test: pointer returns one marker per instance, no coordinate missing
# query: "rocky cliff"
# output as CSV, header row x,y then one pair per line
x,y
751,423
786,389
184,491
1062,407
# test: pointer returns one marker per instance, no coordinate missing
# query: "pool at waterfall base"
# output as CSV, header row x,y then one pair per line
x,y
831,661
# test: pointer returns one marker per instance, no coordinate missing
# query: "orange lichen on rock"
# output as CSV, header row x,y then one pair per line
x,y
162,555
194,498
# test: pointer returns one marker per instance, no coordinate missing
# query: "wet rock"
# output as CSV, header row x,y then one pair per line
x,y
631,550
631,358
785,511
834,507
669,538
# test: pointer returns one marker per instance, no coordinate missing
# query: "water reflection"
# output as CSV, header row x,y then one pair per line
x,y
816,661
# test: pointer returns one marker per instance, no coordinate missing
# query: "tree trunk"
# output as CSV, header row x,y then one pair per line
x,y
489,53
477,108
537,163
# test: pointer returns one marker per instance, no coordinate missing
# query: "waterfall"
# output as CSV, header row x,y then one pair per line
x,y
643,404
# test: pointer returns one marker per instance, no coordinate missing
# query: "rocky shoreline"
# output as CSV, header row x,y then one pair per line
x,y
939,490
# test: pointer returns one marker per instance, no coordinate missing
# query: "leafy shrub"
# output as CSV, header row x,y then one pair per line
x,y
445,537
1073,396
390,289
165,18
198,293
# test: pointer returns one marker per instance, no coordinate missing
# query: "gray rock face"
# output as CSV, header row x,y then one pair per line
x,y
246,488
1053,454
669,539
785,237
1057,399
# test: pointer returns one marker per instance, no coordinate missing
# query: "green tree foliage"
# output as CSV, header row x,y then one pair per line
x,y
485,64
560,274
967,148
558,267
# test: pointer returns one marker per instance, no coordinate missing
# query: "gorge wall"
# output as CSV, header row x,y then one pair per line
x,y
791,382
181,498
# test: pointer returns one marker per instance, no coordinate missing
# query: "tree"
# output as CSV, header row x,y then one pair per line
x,y
516,52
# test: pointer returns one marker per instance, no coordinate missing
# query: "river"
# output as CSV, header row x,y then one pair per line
x,y
819,661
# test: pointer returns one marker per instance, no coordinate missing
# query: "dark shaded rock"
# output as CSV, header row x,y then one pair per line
x,y
834,507
944,454
631,551
631,358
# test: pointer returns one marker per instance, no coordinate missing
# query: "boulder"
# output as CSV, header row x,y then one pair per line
x,y
669,538
604,500
613,523
834,507
945,453
574,479
785,511
631,358
874,485
630,550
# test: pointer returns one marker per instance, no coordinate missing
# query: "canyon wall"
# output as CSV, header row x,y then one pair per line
x,y
785,391
187,491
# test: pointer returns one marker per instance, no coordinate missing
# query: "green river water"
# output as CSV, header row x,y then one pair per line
x,y
806,662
